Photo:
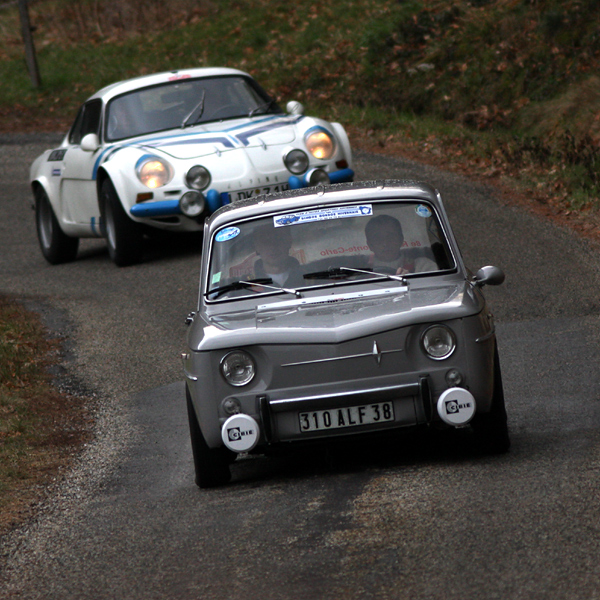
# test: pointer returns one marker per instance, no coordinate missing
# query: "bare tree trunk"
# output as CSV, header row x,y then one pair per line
x,y
30,57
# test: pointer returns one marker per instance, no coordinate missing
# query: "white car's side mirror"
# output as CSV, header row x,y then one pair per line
x,y
90,142
294,108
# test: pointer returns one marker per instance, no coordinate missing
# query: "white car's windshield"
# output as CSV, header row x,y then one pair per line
x,y
326,246
184,103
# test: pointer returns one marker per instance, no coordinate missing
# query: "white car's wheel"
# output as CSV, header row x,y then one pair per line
x,y
56,246
123,236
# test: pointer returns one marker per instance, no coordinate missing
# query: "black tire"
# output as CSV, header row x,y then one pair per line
x,y
56,246
123,236
211,464
491,429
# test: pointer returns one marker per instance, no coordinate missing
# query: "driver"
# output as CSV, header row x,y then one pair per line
x,y
273,246
385,239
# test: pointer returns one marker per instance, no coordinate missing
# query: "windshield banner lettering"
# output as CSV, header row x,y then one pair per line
x,y
310,216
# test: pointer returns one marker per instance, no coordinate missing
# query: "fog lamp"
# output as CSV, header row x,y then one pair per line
x,y
232,406
454,378
198,178
316,177
192,204
296,161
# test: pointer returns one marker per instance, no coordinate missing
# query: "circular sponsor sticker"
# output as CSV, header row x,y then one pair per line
x,y
227,234
240,433
423,211
456,406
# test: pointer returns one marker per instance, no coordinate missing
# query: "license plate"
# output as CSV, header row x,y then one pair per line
x,y
337,418
263,189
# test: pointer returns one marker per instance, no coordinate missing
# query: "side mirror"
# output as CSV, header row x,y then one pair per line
x,y
488,276
90,142
294,108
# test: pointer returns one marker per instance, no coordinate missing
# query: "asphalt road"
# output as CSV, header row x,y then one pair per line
x,y
420,520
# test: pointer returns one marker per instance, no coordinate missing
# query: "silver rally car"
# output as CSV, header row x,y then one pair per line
x,y
337,311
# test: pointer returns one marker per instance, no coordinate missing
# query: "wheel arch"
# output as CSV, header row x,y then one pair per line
x,y
101,177
119,183
43,184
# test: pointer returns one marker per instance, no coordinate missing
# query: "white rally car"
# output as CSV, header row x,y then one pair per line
x,y
166,150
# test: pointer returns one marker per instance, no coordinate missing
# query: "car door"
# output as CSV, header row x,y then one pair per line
x,y
78,186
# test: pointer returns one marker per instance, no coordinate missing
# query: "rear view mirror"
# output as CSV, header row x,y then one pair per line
x,y
489,276
295,108
90,142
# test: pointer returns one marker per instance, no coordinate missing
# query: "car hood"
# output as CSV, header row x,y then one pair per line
x,y
333,318
216,138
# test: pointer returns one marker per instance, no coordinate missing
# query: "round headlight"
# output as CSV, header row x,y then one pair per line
x,y
192,204
154,172
198,178
439,342
238,368
316,177
296,161
320,144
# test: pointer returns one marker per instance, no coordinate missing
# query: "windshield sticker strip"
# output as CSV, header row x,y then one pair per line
x,y
325,214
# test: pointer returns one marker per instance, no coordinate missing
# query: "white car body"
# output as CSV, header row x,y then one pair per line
x,y
242,149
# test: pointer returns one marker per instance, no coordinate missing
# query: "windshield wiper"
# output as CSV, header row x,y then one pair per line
x,y
264,107
237,285
343,272
393,276
200,106
240,285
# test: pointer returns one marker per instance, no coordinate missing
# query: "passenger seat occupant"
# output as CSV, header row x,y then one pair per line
x,y
273,246
385,239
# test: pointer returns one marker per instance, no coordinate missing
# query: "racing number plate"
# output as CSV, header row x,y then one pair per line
x,y
263,189
352,416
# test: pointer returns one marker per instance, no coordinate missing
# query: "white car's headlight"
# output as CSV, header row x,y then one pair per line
x,y
320,144
198,178
296,161
154,172
439,342
238,368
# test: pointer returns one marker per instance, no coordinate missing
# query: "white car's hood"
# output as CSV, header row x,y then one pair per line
x,y
216,138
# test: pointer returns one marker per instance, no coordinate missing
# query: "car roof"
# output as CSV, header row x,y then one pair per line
x,y
121,87
292,200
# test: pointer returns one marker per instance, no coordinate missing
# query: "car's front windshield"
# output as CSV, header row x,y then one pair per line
x,y
326,246
184,103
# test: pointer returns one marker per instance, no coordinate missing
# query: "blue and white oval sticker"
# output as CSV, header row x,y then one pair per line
x,y
227,234
423,211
